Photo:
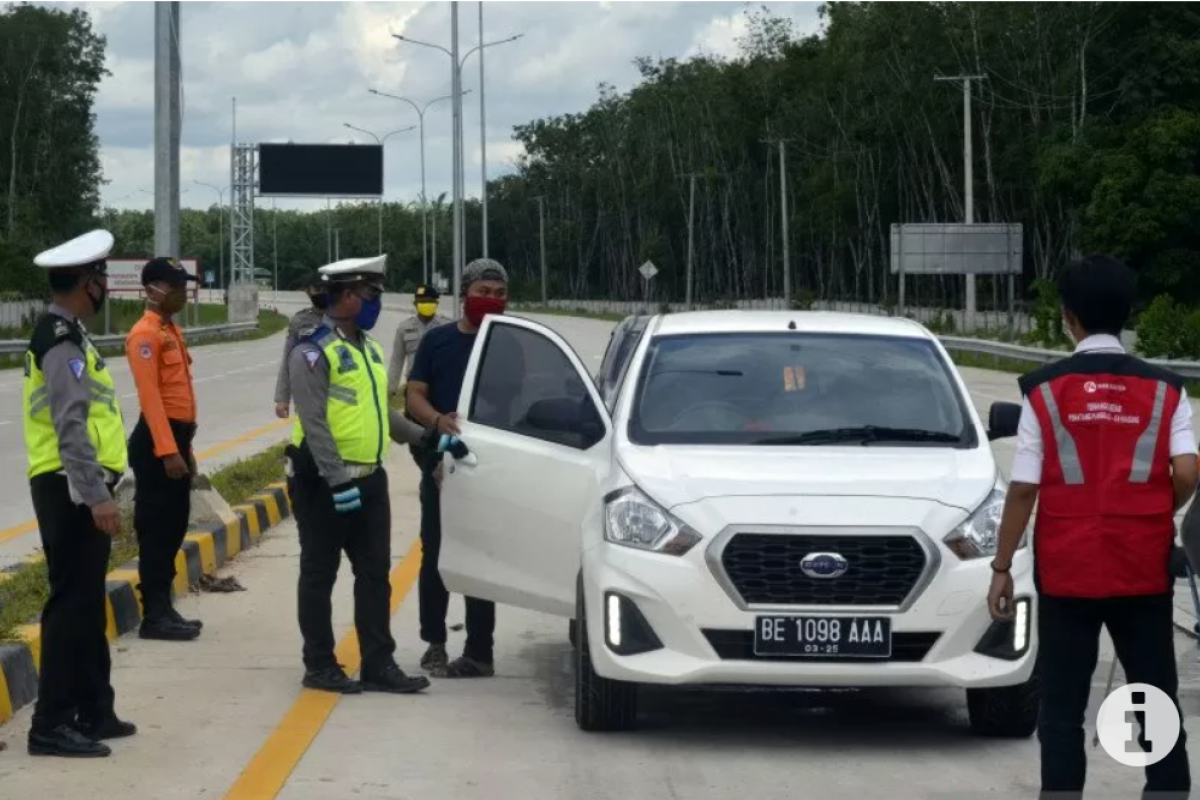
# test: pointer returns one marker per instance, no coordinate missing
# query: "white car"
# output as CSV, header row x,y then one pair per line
x,y
784,499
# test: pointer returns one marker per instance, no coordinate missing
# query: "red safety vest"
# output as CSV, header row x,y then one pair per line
x,y
1105,523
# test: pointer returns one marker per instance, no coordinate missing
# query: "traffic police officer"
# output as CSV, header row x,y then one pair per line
x,y
344,425
1106,448
160,448
75,442
304,319
410,332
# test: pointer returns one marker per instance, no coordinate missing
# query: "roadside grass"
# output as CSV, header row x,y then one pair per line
x,y
241,480
24,591
1018,367
269,323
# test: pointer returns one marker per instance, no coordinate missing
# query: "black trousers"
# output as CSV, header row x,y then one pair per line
x,y
161,508
366,537
75,663
433,597
1069,643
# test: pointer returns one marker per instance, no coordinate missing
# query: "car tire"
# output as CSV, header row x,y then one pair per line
x,y
1008,712
600,704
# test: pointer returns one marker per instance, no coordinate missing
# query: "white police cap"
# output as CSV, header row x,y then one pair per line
x,y
354,269
79,252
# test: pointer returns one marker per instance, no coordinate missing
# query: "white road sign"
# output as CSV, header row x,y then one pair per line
x,y
648,270
125,274
957,248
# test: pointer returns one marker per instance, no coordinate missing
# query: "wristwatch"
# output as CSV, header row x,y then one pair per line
x,y
997,569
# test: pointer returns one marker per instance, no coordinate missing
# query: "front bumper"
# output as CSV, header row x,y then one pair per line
x,y
707,638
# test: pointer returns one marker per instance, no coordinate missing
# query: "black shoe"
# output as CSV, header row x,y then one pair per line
x,y
331,679
168,630
109,728
175,616
392,679
65,742
435,658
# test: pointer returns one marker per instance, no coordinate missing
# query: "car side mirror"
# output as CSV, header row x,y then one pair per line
x,y
1003,420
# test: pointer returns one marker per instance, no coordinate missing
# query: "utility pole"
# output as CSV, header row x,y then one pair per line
x,y
541,201
167,123
482,137
968,181
275,243
456,197
783,216
691,270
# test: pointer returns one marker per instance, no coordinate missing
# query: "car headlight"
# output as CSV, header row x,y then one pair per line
x,y
979,535
634,520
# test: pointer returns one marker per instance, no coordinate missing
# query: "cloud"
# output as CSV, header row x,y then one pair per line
x,y
301,70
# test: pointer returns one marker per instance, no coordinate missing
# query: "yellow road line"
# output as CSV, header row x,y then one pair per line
x,y
31,525
267,773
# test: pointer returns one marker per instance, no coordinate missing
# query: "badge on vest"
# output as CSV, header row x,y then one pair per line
x,y
347,360
60,329
312,357
76,365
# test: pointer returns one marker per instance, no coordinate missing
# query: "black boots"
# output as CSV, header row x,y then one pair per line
x,y
161,621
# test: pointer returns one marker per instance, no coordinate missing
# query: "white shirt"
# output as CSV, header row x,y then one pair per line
x,y
1027,463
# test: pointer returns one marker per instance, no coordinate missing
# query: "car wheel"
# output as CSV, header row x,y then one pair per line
x,y
600,704
1009,712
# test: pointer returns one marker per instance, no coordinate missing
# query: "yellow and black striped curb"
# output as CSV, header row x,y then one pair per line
x,y
204,551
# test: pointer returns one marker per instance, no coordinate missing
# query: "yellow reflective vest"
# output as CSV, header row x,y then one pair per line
x,y
357,409
105,426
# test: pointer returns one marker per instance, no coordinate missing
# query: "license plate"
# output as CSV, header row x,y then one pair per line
x,y
832,637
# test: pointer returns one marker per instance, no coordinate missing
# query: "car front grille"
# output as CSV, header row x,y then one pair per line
x,y
765,569
732,645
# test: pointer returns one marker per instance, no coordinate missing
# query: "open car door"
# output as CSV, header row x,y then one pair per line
x,y
539,447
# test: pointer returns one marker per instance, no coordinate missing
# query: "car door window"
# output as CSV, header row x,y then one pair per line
x,y
528,386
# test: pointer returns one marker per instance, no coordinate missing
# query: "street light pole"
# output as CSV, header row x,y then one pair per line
x,y
456,65
424,198
380,142
541,201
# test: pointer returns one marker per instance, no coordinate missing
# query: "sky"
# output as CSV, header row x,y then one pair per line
x,y
301,71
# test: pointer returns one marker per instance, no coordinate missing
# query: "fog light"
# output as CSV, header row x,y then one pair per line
x,y
627,632
1008,640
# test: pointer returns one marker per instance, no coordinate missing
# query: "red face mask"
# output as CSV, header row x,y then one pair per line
x,y
476,308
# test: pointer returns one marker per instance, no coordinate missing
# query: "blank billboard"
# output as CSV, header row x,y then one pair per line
x,y
320,170
957,248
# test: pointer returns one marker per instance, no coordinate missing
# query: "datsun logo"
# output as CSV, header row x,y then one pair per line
x,y
824,566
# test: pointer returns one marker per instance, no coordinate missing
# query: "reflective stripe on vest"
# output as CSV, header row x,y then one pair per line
x,y
105,426
357,409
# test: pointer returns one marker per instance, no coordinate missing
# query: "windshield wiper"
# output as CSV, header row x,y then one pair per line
x,y
864,434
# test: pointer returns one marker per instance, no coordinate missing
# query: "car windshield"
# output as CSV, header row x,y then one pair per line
x,y
797,388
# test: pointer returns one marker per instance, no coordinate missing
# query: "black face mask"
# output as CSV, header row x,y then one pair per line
x,y
97,302
319,301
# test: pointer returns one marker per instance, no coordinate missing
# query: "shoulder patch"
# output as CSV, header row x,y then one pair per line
x,y
77,366
312,357
312,333
144,351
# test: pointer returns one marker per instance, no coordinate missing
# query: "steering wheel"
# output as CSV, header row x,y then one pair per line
x,y
735,418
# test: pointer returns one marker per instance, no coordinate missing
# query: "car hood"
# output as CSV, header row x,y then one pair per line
x,y
676,475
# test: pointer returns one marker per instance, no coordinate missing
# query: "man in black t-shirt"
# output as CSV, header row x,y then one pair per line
x,y
436,380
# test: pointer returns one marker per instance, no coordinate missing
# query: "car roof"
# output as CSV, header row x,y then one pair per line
x,y
748,321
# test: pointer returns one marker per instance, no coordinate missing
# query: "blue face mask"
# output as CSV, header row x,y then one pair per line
x,y
368,315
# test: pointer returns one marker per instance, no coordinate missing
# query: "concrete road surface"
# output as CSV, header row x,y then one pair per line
x,y
224,717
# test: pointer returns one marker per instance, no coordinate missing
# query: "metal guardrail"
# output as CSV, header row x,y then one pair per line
x,y
18,346
1185,369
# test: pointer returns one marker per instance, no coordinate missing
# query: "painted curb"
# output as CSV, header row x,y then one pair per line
x,y
204,551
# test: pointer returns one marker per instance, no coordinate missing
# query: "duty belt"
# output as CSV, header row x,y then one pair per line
x,y
356,471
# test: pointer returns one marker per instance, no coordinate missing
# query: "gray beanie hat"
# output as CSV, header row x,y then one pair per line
x,y
483,269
